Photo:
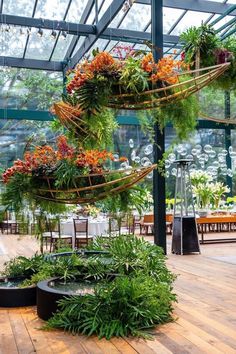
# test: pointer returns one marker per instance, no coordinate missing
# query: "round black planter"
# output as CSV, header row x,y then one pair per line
x,y
47,298
15,296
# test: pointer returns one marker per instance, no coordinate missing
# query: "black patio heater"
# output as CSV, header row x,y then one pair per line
x,y
185,236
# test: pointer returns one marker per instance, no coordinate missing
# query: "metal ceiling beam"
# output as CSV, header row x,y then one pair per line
x,y
30,63
138,36
69,27
106,19
193,5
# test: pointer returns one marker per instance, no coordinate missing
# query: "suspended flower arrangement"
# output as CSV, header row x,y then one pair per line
x,y
67,175
98,87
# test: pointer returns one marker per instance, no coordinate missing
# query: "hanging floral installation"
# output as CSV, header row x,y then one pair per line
x,y
133,81
81,172
68,175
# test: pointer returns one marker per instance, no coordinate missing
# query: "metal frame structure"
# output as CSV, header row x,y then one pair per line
x,y
86,32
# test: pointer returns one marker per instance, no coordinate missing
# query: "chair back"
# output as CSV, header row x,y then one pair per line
x,y
114,226
148,218
53,226
81,227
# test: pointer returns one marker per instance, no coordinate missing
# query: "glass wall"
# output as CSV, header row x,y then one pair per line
x,y
29,89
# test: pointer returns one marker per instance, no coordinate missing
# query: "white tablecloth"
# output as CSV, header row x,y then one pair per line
x,y
95,227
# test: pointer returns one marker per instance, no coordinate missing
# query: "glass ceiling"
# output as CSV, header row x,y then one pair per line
x,y
56,46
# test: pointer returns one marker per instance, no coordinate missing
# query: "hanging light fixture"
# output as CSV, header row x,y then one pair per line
x,y
40,32
64,35
53,35
8,28
22,32
28,31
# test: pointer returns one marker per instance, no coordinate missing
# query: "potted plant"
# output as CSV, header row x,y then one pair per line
x,y
218,191
203,193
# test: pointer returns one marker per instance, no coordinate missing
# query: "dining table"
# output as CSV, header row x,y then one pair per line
x,y
96,227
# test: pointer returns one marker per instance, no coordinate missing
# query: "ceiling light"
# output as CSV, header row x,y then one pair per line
x,y
7,28
64,35
53,35
28,30
40,32
22,32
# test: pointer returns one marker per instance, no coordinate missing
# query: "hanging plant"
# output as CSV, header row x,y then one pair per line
x,y
202,47
202,40
68,175
136,83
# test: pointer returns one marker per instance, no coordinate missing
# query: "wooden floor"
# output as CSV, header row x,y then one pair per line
x,y
205,314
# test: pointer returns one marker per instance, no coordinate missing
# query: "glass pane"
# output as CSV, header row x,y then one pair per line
x,y
191,18
76,10
12,43
29,89
61,47
104,7
221,22
14,135
111,45
138,16
170,16
21,8
51,9
116,20
78,45
40,47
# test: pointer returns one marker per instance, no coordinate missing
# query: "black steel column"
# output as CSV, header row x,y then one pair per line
x,y
228,141
159,143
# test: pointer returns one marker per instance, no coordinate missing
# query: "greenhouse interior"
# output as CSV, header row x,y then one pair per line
x,y
118,176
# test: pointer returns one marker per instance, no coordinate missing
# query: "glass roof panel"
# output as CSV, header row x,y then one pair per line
x,y
116,20
51,9
191,18
111,45
21,8
40,47
137,17
61,47
170,16
221,22
78,45
104,7
9,46
76,9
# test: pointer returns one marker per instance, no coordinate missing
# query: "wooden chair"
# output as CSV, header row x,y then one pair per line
x,y
81,233
147,224
114,227
57,238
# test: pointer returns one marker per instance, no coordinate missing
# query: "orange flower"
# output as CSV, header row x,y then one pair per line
x,y
123,159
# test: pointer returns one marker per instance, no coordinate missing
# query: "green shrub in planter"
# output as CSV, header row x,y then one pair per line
x,y
139,298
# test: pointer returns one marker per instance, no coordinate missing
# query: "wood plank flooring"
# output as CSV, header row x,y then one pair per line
x,y
205,315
